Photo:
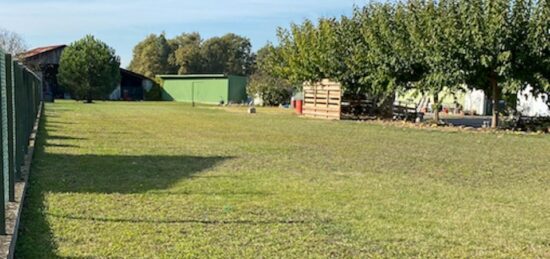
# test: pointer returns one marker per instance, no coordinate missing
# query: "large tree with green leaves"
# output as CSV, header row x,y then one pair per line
x,y
229,54
308,51
499,46
89,69
503,41
392,61
363,53
492,60
538,45
186,53
434,31
151,56
189,54
264,82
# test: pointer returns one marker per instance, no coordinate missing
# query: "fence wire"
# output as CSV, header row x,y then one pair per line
x,y
20,99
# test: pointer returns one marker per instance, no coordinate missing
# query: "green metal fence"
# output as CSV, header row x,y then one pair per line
x,y
20,94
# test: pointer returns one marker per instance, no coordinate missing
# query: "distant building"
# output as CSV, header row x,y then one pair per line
x,y
133,86
530,105
527,103
476,102
44,61
208,89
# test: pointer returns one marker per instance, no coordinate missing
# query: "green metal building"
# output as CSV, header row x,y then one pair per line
x,y
207,89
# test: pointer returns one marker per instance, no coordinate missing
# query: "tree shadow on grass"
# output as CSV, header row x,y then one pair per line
x,y
117,174
59,173
105,174
91,173
183,221
57,137
61,145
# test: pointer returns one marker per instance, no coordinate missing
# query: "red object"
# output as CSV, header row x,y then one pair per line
x,y
298,106
293,103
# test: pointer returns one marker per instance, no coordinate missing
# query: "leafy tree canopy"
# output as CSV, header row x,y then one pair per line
x,y
89,69
229,54
189,54
265,83
186,53
498,46
151,56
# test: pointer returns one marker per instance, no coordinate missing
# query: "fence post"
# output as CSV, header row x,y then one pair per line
x,y
19,106
2,186
19,131
9,128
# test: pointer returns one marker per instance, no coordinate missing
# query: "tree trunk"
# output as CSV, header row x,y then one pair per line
x,y
436,108
495,101
89,98
386,107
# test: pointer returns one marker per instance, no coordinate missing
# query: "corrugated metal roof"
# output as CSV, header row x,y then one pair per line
x,y
37,51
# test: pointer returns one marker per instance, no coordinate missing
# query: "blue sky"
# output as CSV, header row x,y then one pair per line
x,y
123,23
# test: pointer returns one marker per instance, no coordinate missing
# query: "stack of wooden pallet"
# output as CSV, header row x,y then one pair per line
x,y
323,100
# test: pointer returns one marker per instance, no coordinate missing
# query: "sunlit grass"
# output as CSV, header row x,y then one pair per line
x,y
142,180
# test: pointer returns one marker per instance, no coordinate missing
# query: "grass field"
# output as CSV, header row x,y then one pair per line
x,y
163,180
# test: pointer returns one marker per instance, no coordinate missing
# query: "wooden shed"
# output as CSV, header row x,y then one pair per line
x,y
44,61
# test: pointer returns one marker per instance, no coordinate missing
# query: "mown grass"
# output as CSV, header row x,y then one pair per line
x,y
164,180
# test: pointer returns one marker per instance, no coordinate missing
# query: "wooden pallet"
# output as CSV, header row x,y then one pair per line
x,y
323,100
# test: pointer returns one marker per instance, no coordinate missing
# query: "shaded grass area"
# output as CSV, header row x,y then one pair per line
x,y
142,180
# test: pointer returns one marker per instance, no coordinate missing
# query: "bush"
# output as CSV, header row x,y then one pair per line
x,y
272,90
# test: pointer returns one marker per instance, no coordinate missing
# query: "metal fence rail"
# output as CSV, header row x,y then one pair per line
x,y
20,91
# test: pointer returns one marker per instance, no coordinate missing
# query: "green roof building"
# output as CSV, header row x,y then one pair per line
x,y
207,89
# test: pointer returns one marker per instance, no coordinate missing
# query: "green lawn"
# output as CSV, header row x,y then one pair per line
x,y
147,180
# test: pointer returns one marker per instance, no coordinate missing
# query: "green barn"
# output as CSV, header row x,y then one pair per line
x,y
207,89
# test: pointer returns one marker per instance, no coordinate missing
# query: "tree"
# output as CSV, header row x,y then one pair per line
x,y
151,57
498,46
186,55
392,61
538,45
489,56
363,53
189,54
229,54
308,50
504,59
351,55
434,30
272,90
265,83
12,42
89,69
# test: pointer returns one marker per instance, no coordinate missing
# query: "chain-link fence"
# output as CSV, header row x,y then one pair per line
x,y
20,94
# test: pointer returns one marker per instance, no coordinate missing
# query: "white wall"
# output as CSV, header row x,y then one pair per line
x,y
475,101
529,105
